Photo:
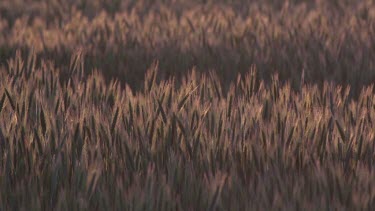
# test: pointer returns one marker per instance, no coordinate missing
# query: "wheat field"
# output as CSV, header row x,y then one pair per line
x,y
187,105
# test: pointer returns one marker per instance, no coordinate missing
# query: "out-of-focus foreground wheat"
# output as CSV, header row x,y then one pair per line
x,y
114,105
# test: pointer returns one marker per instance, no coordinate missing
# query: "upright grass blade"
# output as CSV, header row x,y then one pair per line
x,y
12,104
341,132
163,114
43,122
2,102
114,121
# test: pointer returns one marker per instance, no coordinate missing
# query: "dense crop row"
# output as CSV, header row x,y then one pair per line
x,y
87,144
330,40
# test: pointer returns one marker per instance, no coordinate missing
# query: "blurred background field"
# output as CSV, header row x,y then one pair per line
x,y
330,40
187,105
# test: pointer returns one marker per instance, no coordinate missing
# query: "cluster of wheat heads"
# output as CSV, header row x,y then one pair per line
x,y
126,136
331,40
86,144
